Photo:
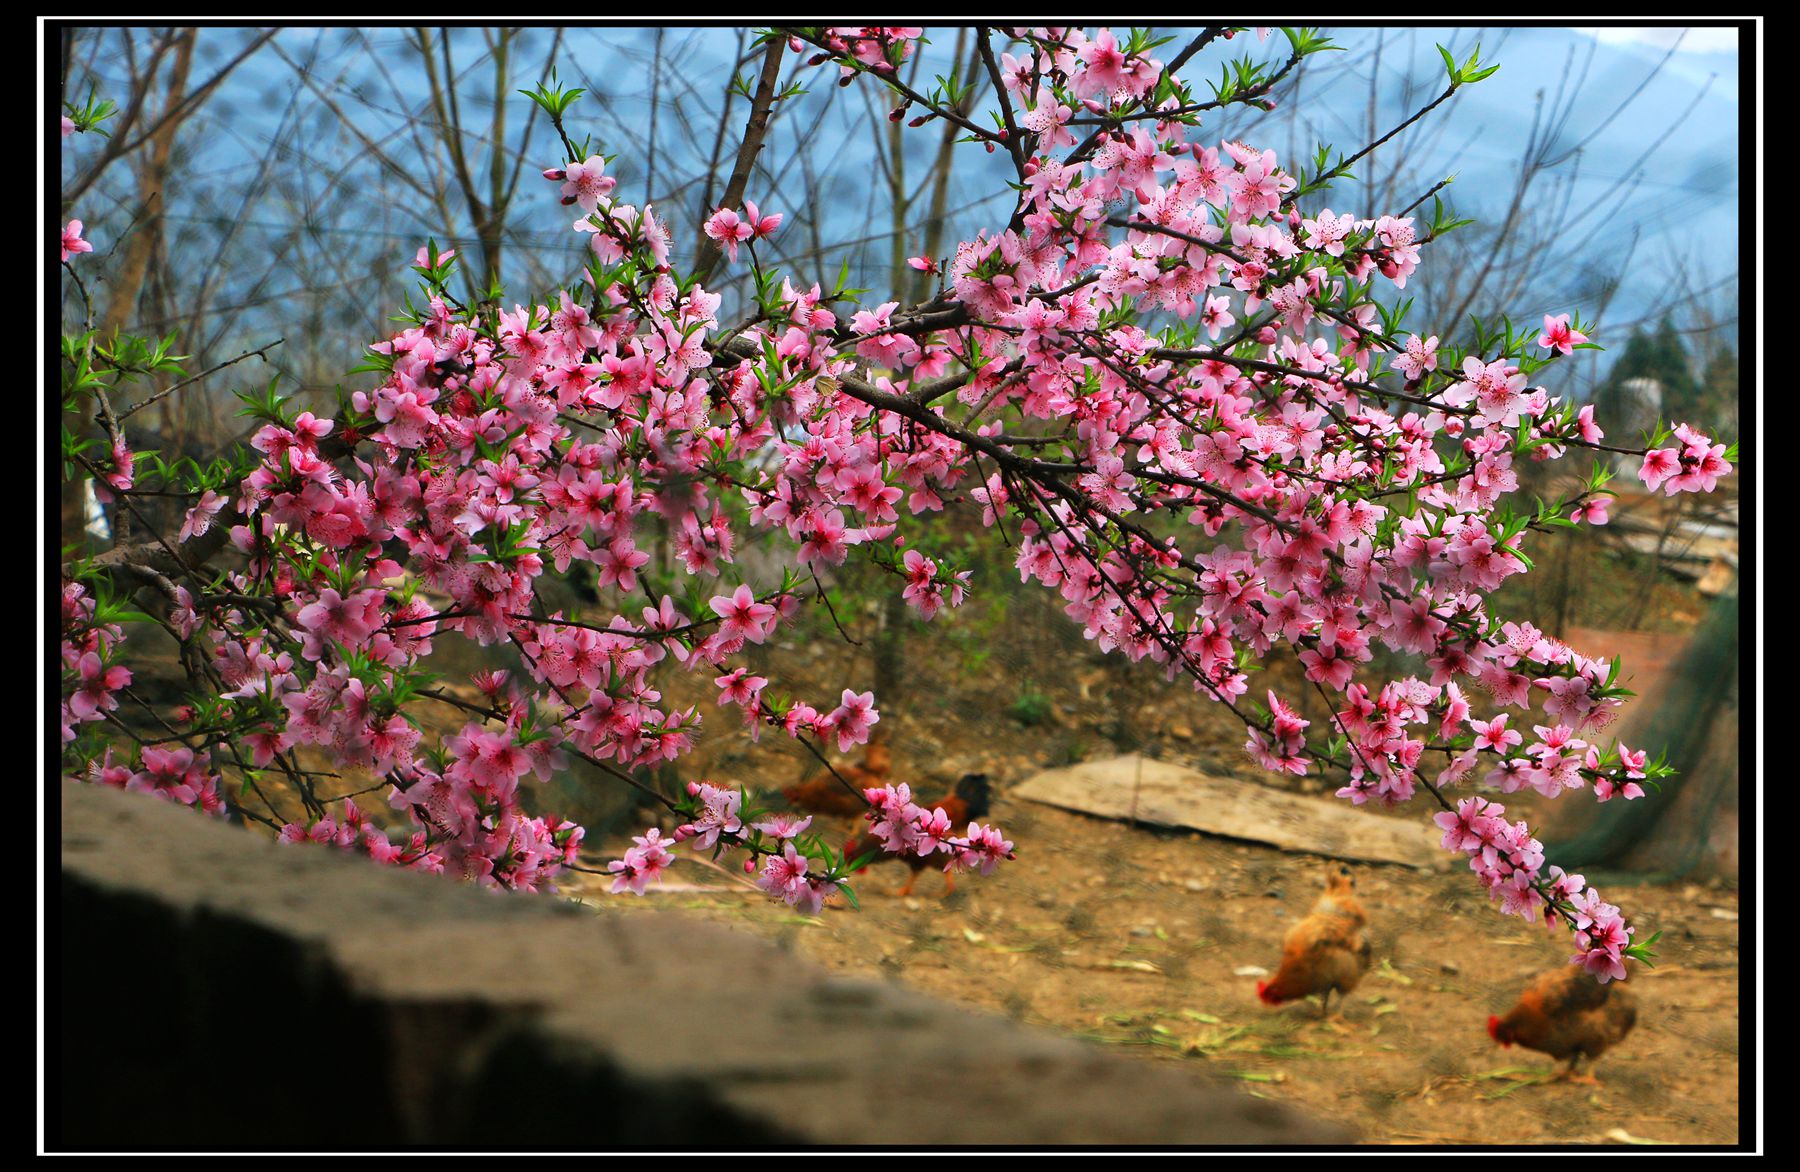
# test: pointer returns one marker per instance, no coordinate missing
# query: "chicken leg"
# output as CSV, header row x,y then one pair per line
x,y
1570,1074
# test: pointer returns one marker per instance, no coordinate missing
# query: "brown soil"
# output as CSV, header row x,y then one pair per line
x,y
1134,938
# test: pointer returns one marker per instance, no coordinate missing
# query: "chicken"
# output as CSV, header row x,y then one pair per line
x,y
1566,1013
967,802
823,793
1327,950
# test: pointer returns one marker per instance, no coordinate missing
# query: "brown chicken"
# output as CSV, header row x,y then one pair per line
x,y
1327,950
967,802
824,794
1567,1014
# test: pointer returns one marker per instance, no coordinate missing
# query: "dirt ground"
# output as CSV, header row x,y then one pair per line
x,y
1144,940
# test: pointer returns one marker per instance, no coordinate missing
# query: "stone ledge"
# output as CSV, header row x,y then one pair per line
x,y
221,991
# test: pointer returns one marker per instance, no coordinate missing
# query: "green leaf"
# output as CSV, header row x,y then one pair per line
x,y
1449,63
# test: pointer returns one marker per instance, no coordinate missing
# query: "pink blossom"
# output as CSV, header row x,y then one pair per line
x,y
72,243
853,718
642,864
586,183
199,518
1559,335
745,618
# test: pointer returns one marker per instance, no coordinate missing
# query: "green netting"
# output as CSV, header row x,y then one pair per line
x,y
1685,724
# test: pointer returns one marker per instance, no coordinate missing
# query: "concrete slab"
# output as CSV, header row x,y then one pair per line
x,y
1164,794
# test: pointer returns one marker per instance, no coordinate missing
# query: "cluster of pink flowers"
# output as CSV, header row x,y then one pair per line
x,y
1344,493
786,876
1695,466
717,815
715,824
790,864
906,828
730,229
880,49
353,829
642,864
928,588
92,680
1510,864
172,773
1284,748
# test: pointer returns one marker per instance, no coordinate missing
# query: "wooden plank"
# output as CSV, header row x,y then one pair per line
x,y
1174,796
